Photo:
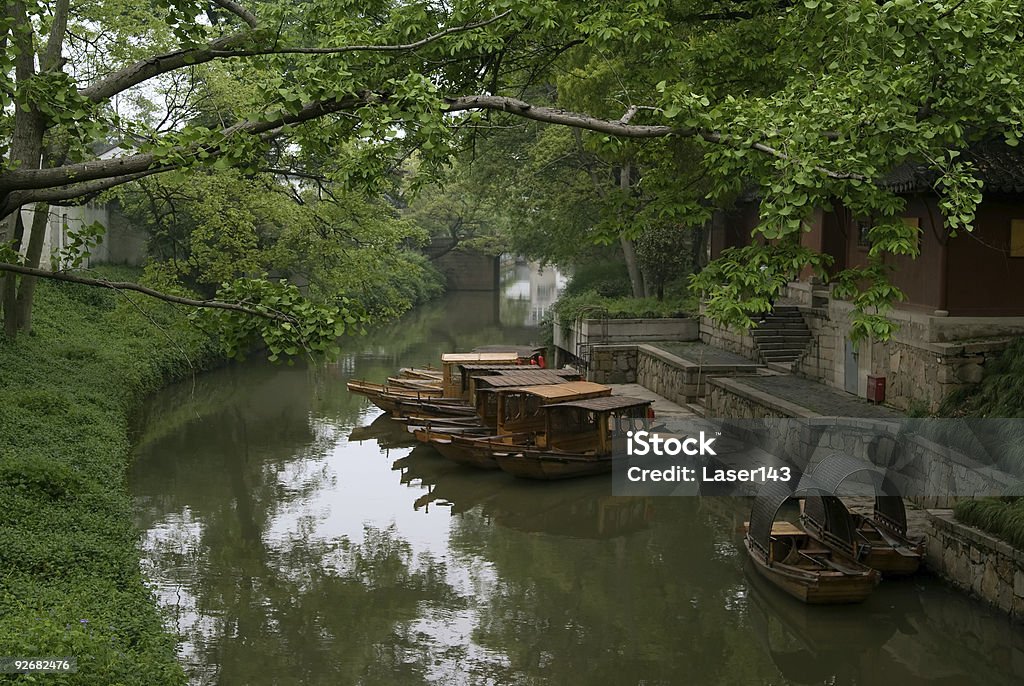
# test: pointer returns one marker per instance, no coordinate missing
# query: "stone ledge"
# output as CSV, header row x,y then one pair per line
x,y
946,521
762,398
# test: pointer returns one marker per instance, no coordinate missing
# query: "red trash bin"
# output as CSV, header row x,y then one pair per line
x,y
876,388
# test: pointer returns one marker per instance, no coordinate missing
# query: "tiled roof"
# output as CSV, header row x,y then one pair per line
x,y
1000,167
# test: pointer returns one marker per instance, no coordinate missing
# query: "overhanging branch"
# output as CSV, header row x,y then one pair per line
x,y
138,288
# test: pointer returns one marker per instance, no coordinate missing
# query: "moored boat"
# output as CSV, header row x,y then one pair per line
x,y
790,558
880,540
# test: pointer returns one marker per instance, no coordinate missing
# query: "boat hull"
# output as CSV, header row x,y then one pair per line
x,y
551,466
814,588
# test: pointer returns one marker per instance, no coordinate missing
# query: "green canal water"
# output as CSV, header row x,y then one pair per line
x,y
294,536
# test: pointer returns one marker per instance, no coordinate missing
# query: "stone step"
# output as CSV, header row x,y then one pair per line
x,y
779,358
781,326
698,408
783,367
780,345
779,336
785,354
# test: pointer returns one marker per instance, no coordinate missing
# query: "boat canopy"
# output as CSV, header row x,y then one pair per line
x,y
606,404
836,467
771,498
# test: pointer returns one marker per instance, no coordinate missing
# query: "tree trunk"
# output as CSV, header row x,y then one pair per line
x,y
636,280
629,253
27,287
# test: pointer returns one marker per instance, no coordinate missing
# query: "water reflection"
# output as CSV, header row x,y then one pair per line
x,y
292,548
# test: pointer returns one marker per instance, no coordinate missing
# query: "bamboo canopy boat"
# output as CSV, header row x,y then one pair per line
x,y
800,565
880,540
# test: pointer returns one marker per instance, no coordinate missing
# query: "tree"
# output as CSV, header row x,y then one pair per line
x,y
807,101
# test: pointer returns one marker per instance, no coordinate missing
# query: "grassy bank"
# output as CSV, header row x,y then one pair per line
x,y
1002,517
70,583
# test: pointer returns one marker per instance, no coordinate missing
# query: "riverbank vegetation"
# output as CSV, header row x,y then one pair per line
x,y
72,585
1000,392
1002,517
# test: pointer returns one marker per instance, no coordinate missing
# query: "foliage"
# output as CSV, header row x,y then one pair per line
x,y
804,103
68,557
592,305
1000,392
742,283
606,277
1003,517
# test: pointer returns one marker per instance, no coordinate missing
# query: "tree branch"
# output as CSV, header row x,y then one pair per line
x,y
63,195
141,71
239,11
30,179
138,288
617,128
51,57
401,47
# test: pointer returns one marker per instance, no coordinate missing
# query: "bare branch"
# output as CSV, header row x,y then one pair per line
x,y
236,9
129,286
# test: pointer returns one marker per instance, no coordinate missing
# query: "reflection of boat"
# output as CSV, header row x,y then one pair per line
x,y
880,540
790,558
386,431
812,645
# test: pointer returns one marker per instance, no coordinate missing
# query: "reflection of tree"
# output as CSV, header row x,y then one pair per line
x,y
658,604
298,611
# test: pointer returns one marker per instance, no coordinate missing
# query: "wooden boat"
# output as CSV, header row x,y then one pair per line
x,y
413,384
577,438
384,396
426,373
880,540
793,560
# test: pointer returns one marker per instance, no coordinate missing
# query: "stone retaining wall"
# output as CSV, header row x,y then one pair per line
x,y
739,342
731,400
679,380
613,364
977,562
572,337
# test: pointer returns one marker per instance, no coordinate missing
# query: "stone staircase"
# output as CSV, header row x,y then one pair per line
x,y
783,337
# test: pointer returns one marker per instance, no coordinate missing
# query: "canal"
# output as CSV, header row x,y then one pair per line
x,y
294,536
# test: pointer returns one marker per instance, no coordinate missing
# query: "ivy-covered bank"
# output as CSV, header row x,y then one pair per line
x,y
70,583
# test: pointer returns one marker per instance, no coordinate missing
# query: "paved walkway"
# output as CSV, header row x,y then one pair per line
x,y
701,353
663,408
816,397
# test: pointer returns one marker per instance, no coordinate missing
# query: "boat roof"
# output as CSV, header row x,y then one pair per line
x,y
773,494
527,377
836,467
568,389
497,357
606,404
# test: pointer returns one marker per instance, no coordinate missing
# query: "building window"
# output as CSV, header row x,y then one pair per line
x,y
1017,238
